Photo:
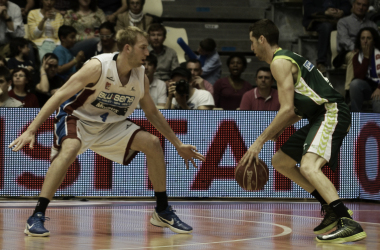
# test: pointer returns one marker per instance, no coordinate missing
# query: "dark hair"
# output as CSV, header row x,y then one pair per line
x,y
152,59
208,44
142,3
157,27
15,45
267,29
109,26
265,69
242,58
28,77
51,55
65,30
4,72
75,5
180,71
375,36
194,60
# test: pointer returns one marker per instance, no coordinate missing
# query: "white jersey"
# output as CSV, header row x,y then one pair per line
x,y
108,101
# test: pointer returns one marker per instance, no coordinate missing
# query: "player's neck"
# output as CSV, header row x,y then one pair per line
x,y
270,53
123,69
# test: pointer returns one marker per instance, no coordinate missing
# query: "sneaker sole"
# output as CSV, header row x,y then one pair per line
x,y
157,223
332,225
26,231
355,237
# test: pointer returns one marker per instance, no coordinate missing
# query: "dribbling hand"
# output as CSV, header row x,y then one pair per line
x,y
252,153
22,140
190,152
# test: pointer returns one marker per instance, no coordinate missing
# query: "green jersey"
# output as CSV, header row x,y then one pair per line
x,y
312,89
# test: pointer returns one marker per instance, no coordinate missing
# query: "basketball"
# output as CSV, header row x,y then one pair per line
x,y
253,177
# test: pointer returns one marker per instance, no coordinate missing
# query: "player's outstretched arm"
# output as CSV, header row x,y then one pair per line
x,y
89,73
187,152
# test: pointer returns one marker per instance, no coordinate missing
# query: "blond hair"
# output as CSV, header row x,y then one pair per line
x,y
128,36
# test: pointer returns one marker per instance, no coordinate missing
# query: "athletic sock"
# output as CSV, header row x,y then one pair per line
x,y
162,201
41,205
339,209
318,197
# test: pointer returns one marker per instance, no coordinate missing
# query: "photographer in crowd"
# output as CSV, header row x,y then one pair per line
x,y
181,95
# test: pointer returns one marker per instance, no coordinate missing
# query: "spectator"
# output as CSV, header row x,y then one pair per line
x,y
63,6
43,25
166,57
194,65
50,82
5,83
20,55
183,96
134,17
112,8
322,16
11,25
208,56
107,42
25,6
3,62
263,97
86,18
348,28
228,91
366,64
157,88
67,63
21,81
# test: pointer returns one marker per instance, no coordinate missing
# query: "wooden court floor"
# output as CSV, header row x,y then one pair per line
x,y
118,225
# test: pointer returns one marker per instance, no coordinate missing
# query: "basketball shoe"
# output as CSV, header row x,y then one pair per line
x,y
329,221
35,225
347,230
168,218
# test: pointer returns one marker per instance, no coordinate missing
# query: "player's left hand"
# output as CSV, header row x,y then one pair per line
x,y
189,152
252,153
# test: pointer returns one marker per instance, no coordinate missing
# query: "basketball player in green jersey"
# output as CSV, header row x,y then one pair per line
x,y
305,93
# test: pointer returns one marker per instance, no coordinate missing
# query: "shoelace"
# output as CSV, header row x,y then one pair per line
x,y
44,218
323,212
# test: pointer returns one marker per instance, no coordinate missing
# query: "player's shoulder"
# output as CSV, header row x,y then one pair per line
x,y
106,56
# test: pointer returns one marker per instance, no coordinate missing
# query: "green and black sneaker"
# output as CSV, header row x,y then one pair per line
x,y
347,230
329,221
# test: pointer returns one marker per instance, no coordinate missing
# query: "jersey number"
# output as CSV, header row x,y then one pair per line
x,y
104,117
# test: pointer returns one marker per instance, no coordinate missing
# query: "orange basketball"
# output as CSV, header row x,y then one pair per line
x,y
253,177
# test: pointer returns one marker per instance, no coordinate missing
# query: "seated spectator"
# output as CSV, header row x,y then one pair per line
x,y
208,56
3,62
50,82
228,91
20,55
322,16
86,18
112,8
348,28
43,25
67,63
157,88
183,96
134,17
5,83
166,57
63,6
107,42
263,97
366,64
25,6
194,65
11,25
21,81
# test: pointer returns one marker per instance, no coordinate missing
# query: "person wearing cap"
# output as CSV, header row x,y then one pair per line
x,y
181,95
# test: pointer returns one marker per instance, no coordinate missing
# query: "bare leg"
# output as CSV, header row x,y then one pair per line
x,y
287,166
58,168
151,147
311,168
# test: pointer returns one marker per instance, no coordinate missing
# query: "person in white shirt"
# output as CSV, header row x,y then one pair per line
x,y
183,95
157,88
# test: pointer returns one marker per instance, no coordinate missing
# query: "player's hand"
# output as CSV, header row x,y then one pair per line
x,y
376,95
189,152
22,140
252,153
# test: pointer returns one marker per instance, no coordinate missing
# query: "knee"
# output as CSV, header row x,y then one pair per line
x,y
308,170
355,85
153,144
326,27
70,148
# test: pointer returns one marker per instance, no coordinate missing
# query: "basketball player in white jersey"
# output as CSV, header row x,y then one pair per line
x,y
93,107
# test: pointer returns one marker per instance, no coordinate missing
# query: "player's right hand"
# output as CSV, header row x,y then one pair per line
x,y
22,140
